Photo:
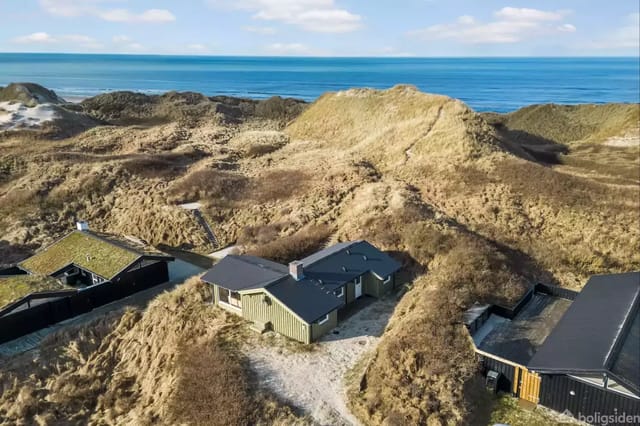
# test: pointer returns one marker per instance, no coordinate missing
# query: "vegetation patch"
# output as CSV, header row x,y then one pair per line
x,y
19,286
84,250
296,246
216,186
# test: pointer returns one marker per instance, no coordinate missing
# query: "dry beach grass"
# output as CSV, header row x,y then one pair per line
x,y
463,199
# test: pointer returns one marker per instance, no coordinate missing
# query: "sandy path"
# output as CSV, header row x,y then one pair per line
x,y
314,381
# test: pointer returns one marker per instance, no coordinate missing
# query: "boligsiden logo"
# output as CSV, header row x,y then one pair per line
x,y
598,418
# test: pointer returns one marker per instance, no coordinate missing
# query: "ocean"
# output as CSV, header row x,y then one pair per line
x,y
486,84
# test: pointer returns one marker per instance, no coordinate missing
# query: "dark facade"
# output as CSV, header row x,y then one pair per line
x,y
587,365
583,400
41,313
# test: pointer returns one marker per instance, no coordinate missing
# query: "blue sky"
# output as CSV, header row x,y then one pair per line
x,y
323,27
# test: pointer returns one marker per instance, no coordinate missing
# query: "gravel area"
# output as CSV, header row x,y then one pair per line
x,y
313,381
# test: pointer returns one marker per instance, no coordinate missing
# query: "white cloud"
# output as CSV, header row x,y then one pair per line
x,y
567,28
288,49
43,38
524,14
510,25
311,15
124,15
71,8
625,37
39,37
260,30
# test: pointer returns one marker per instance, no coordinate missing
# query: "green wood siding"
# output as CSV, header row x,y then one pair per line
x,y
351,291
264,308
375,287
371,285
319,330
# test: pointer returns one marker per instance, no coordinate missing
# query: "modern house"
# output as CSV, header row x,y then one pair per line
x,y
301,300
79,272
84,258
576,353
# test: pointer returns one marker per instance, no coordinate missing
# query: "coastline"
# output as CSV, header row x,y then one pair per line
x,y
486,84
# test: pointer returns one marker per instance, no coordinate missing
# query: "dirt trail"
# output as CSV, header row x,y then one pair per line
x,y
314,381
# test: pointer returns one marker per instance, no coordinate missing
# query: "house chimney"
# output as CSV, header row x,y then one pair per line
x,y
296,270
82,225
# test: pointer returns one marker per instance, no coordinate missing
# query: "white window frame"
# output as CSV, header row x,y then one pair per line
x,y
323,320
387,280
229,305
341,292
620,388
358,280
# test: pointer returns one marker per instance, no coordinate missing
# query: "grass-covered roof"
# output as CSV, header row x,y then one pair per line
x,y
86,250
16,287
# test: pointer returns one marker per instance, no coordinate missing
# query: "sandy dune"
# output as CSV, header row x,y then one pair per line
x,y
15,116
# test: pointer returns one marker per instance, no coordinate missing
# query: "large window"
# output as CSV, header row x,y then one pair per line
x,y
231,298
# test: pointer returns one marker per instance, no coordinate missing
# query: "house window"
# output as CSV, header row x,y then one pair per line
x,y
616,387
387,280
231,298
339,292
323,320
358,280
234,299
223,295
596,380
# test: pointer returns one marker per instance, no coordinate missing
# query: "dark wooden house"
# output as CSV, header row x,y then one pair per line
x,y
576,353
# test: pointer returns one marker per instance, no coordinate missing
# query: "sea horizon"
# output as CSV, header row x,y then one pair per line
x,y
488,83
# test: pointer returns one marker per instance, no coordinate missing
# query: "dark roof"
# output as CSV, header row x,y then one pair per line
x,y
343,262
244,272
518,339
308,299
598,333
312,297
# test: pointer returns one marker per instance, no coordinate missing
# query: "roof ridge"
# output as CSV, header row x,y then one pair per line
x,y
244,258
349,244
95,235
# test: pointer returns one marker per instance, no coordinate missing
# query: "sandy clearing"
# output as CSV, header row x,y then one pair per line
x,y
314,381
19,116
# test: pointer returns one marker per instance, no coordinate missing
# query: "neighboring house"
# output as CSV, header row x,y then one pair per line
x,y
301,300
79,272
577,353
84,258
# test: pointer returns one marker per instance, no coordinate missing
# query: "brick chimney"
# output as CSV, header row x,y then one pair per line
x,y
296,270
82,225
